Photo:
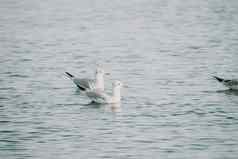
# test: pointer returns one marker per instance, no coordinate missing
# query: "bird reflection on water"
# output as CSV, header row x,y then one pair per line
x,y
114,107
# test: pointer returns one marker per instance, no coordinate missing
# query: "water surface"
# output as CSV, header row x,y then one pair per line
x,y
165,51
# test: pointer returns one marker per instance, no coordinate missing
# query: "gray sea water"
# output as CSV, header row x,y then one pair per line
x,y
164,51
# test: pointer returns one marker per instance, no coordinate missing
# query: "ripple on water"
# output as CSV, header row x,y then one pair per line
x,y
5,121
4,98
26,60
7,88
164,50
18,75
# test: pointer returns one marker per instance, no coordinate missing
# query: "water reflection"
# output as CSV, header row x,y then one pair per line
x,y
228,92
78,91
115,107
93,105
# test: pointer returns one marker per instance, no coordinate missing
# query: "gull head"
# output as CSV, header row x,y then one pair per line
x,y
99,71
117,84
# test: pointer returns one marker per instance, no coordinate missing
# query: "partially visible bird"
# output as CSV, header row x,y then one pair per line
x,y
230,83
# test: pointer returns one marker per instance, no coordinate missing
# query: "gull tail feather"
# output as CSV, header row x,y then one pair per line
x,y
69,75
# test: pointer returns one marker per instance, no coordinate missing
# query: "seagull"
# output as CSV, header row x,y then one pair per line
x,y
99,96
86,84
230,83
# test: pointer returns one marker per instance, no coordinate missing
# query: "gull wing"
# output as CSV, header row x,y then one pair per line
x,y
84,83
98,96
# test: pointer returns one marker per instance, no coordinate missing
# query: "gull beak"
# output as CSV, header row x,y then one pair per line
x,y
125,86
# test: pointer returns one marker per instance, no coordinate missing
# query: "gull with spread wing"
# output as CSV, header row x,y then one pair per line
x,y
86,84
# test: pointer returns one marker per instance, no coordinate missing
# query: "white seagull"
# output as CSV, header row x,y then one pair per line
x,y
230,83
101,97
86,84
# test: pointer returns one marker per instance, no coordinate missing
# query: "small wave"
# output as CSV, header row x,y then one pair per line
x,y
230,117
7,131
18,75
25,60
3,98
195,47
7,88
4,121
8,72
197,112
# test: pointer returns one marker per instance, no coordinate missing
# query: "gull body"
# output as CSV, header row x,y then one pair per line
x,y
101,97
